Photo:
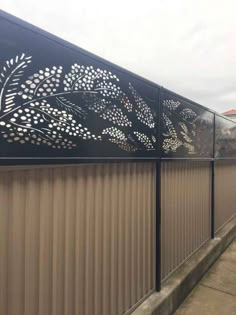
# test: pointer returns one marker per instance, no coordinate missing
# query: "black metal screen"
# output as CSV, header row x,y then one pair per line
x,y
187,129
60,102
225,138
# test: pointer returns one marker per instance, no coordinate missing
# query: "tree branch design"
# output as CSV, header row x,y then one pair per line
x,y
52,108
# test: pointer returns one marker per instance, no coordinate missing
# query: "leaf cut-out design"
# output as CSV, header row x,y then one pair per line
x,y
10,77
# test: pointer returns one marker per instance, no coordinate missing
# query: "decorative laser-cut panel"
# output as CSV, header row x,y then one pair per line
x,y
56,101
187,129
225,138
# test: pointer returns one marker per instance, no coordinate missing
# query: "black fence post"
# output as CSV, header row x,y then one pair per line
x,y
212,199
158,195
213,184
158,225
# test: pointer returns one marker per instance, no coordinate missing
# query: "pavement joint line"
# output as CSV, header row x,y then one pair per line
x,y
228,269
207,286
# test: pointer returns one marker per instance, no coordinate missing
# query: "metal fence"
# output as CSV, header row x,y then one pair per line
x,y
225,196
152,178
186,211
77,239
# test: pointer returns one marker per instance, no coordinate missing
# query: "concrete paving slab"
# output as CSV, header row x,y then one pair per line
x,y
222,276
216,293
179,285
207,301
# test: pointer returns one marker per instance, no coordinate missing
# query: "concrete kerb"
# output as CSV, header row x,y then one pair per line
x,y
179,285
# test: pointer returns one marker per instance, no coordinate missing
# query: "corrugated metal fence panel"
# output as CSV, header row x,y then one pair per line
x,y
225,192
186,204
77,240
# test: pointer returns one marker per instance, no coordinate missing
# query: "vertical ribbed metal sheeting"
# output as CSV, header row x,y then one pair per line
x,y
186,204
225,192
77,240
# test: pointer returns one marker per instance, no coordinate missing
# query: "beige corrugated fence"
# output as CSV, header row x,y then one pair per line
x,y
185,206
80,240
225,192
77,240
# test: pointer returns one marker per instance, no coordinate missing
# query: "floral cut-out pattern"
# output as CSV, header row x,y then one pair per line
x,y
185,128
54,107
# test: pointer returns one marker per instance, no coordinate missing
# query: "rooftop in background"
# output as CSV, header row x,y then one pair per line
x,y
231,114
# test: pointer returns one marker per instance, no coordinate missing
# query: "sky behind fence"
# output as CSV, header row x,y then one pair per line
x,y
186,46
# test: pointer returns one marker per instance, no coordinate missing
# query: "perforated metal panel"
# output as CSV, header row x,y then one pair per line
x,y
187,128
59,102
225,134
76,240
186,204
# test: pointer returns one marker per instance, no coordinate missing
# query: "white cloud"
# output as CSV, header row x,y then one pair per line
x,y
187,46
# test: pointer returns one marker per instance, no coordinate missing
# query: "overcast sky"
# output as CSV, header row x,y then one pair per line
x,y
188,46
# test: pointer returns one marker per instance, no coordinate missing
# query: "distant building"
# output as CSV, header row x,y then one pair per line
x,y
231,114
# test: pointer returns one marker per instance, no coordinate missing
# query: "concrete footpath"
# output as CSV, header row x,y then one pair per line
x,y
216,292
